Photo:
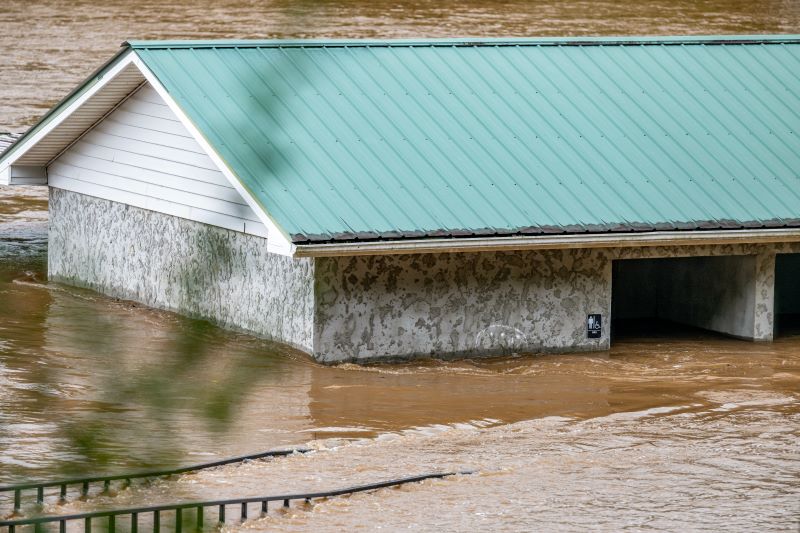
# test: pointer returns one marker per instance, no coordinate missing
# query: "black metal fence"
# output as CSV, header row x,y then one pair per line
x,y
107,520
85,482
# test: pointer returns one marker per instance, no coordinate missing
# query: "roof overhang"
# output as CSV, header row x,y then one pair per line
x,y
552,242
371,142
25,161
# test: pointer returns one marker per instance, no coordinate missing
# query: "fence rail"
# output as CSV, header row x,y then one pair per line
x,y
200,507
85,482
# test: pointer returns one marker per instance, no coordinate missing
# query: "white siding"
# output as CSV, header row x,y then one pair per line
x,y
143,156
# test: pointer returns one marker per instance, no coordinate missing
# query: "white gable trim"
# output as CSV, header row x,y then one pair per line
x,y
277,241
142,155
6,174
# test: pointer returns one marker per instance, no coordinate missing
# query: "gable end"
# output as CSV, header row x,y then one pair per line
x,y
142,155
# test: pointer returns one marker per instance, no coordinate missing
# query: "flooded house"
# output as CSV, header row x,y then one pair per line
x,y
383,200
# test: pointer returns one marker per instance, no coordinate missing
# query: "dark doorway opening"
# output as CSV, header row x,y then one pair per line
x,y
635,302
685,297
787,295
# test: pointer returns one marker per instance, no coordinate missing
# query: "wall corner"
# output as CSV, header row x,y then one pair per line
x,y
764,309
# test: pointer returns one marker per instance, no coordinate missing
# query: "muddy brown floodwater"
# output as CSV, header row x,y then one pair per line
x,y
670,430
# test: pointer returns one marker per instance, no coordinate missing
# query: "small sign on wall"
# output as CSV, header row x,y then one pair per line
x,y
594,326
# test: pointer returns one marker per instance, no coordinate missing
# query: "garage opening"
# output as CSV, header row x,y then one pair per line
x,y
787,295
683,297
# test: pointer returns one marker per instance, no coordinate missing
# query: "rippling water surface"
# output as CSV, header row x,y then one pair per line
x,y
682,431
686,430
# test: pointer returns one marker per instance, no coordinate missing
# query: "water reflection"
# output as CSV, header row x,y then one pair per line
x,y
152,387
91,382
87,382
643,437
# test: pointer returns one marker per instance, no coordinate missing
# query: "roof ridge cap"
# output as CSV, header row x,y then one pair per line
x,y
473,41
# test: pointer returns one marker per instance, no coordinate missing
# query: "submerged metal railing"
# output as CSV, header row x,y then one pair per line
x,y
199,508
85,482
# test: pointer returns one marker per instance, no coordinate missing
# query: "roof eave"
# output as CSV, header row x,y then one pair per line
x,y
278,241
64,103
551,242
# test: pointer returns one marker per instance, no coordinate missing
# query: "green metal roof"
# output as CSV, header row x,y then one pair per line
x,y
346,140
385,139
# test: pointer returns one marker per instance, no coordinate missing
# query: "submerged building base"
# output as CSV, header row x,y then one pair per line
x,y
172,263
396,307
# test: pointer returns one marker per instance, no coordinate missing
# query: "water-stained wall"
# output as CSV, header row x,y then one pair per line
x,y
372,307
171,263
402,306
462,304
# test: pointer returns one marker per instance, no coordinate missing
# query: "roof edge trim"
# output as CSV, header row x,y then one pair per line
x,y
545,242
474,41
278,241
91,81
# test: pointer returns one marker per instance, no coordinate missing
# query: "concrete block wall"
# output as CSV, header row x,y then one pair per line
x,y
338,309
391,307
457,305
171,263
